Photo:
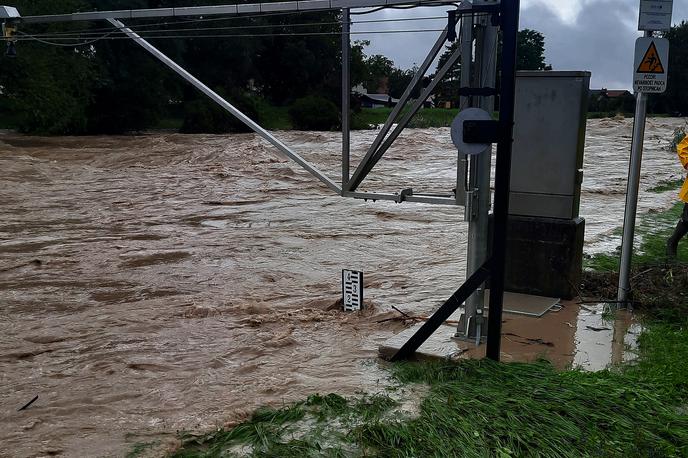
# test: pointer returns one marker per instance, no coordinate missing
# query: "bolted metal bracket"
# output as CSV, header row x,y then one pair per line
x,y
478,131
404,194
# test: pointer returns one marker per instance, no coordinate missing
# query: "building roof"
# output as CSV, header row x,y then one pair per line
x,y
611,93
382,98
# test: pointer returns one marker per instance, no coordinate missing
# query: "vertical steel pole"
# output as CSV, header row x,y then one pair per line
x,y
346,94
466,56
510,11
462,169
632,195
485,75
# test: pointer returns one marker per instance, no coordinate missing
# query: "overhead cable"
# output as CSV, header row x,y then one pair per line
x,y
89,34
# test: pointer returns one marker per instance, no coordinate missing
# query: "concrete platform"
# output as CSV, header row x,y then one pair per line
x,y
572,336
526,304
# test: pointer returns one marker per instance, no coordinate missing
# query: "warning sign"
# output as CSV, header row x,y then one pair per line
x,y
651,65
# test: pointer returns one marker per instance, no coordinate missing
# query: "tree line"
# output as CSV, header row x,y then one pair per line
x,y
113,86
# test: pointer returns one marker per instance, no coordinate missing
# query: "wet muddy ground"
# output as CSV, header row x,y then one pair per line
x,y
159,283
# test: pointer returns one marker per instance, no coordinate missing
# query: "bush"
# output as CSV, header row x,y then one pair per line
x,y
678,136
314,113
205,116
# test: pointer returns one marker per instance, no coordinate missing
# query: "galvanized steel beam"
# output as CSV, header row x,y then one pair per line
x,y
231,9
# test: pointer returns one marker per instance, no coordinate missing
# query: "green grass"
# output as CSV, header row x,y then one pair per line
x,y
652,231
272,118
139,448
667,185
479,408
426,117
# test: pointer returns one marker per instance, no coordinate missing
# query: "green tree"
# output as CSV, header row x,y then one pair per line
x,y
48,89
531,51
398,81
115,86
531,56
675,99
378,70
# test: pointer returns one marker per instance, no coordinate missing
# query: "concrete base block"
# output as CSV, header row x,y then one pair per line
x,y
544,255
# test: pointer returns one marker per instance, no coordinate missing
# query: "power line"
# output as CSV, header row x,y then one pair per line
x,y
292,34
65,45
90,34
400,7
181,20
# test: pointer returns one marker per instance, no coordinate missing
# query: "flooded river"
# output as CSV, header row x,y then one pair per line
x,y
162,283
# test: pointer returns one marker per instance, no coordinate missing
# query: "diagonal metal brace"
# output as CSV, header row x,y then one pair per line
x,y
422,70
444,312
370,160
226,105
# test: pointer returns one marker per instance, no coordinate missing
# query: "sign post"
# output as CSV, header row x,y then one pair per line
x,y
651,66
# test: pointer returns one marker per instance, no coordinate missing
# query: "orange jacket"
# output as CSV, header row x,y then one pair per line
x,y
682,150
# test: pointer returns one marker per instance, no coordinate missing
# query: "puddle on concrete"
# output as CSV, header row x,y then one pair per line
x,y
604,339
574,336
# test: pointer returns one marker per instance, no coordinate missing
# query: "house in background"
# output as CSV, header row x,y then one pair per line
x,y
377,100
611,100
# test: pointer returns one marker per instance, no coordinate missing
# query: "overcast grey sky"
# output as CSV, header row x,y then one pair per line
x,y
594,35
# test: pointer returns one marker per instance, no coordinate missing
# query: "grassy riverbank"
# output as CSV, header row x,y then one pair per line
x,y
482,408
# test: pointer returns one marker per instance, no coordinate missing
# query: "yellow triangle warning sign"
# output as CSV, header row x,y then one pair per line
x,y
651,62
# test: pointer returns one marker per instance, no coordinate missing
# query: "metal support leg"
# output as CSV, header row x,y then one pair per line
x,y
346,95
227,106
509,12
444,312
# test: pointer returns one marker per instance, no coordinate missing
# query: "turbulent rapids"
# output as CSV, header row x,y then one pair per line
x,y
158,283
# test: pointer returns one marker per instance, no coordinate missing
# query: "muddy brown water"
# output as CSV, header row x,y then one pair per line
x,y
161,283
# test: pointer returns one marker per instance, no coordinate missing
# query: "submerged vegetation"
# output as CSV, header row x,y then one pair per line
x,y
479,408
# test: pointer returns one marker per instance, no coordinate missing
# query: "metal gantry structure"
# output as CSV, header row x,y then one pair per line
x,y
480,20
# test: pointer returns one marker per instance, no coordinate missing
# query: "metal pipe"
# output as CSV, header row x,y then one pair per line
x,y
632,186
364,169
429,59
632,198
417,198
346,95
227,106
466,47
509,12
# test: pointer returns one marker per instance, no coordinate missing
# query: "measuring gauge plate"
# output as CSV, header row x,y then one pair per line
x,y
469,114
